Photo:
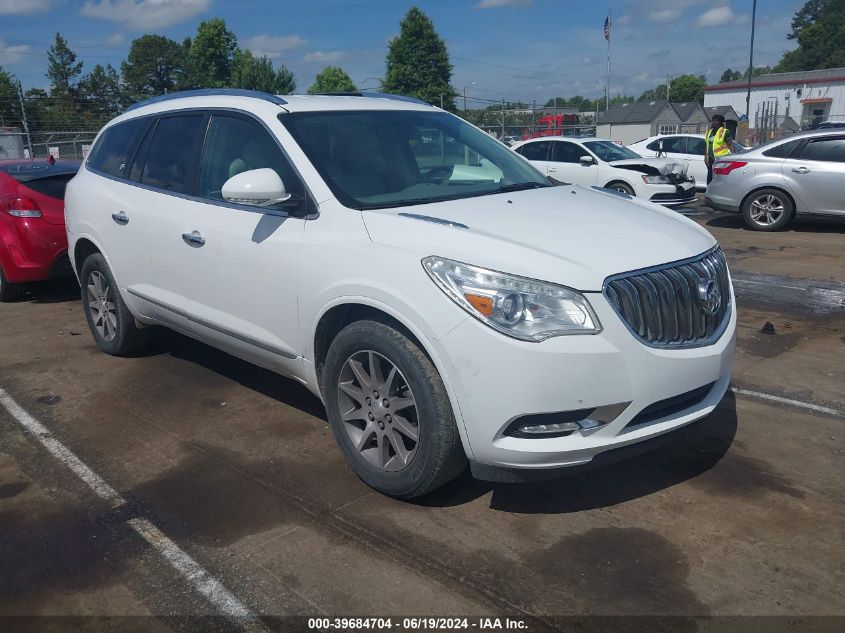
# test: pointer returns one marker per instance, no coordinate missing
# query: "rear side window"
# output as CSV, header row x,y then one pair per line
x,y
565,152
825,149
114,150
174,153
52,186
783,150
696,146
675,144
535,151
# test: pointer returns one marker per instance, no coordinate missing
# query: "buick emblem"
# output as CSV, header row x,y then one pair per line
x,y
709,296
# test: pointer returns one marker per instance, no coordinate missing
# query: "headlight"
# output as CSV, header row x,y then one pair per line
x,y
655,180
522,308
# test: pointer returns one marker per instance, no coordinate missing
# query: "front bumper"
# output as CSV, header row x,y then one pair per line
x,y
496,379
672,195
32,249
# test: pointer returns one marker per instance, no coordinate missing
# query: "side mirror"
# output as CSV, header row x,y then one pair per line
x,y
256,187
586,161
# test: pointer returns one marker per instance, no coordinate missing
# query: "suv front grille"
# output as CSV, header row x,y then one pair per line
x,y
677,305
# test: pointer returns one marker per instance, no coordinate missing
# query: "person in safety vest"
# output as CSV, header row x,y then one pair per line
x,y
718,141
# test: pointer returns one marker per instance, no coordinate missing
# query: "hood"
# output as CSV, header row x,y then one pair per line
x,y
567,235
654,166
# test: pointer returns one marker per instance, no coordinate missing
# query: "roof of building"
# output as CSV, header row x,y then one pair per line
x,y
725,110
784,79
636,112
686,109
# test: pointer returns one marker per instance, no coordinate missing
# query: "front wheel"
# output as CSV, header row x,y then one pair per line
x,y
109,320
389,411
767,210
621,187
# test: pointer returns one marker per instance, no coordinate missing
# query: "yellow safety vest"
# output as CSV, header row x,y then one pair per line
x,y
720,148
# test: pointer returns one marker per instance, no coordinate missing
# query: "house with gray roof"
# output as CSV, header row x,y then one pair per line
x,y
632,122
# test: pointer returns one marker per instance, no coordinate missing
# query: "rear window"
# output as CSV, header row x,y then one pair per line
x,y
114,149
52,186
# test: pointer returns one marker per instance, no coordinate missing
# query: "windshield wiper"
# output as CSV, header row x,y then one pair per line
x,y
518,186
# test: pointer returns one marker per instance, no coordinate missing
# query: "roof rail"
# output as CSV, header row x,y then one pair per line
x,y
376,95
208,92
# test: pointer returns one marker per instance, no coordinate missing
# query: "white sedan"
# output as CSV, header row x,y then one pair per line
x,y
595,162
687,147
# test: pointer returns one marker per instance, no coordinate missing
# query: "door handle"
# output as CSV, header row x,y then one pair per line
x,y
552,168
120,217
801,170
193,239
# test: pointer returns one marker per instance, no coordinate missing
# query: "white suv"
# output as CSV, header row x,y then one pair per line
x,y
442,299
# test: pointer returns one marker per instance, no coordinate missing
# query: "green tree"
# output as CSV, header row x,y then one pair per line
x,y
730,75
257,73
155,65
332,79
101,91
418,62
212,53
10,111
687,88
819,27
62,67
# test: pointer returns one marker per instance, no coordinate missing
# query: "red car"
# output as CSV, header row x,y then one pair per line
x,y
33,242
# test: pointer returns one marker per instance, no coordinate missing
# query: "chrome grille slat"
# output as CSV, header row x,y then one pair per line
x,y
662,306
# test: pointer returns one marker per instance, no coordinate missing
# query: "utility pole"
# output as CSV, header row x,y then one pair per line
x,y
554,125
607,83
441,102
750,62
533,116
24,121
668,85
503,118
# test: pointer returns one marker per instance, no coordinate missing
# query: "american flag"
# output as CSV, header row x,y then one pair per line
x,y
607,28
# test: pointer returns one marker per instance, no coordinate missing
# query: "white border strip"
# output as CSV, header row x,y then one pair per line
x,y
203,582
789,401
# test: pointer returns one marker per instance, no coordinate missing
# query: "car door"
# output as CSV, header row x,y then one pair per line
x,y
240,263
816,175
565,164
143,242
696,148
538,153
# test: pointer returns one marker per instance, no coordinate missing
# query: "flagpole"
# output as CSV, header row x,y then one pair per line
x,y
607,82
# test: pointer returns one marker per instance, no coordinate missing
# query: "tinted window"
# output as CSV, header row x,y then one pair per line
x,y
173,153
825,149
535,151
53,186
234,145
609,151
696,146
654,146
563,152
675,145
783,150
115,147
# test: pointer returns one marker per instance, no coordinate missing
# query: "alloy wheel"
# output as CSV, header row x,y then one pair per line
x,y
101,305
378,411
766,210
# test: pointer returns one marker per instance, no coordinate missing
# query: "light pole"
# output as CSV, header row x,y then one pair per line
x,y
750,63
474,83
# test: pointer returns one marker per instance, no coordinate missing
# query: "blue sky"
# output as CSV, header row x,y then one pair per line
x,y
512,49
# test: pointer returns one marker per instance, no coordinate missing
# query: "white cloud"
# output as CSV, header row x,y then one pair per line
x,y
117,38
493,4
717,16
663,16
325,56
21,7
11,54
141,15
273,45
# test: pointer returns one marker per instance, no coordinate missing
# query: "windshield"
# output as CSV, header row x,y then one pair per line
x,y
377,159
609,151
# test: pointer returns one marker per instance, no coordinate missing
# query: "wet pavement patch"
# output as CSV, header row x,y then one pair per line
x,y
738,475
12,489
49,399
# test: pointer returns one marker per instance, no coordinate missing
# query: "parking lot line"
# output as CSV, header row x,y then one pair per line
x,y
196,575
789,401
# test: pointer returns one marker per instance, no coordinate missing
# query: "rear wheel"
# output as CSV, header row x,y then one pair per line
x,y
621,187
110,321
9,291
389,411
767,210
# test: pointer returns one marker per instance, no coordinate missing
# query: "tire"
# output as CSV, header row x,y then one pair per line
x,y
618,185
8,290
111,324
768,210
382,450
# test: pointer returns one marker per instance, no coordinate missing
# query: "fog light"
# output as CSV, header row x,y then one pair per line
x,y
543,429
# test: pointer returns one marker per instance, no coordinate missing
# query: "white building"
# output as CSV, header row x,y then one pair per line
x,y
807,97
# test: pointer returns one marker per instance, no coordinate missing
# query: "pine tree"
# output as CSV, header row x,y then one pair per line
x,y
62,68
418,62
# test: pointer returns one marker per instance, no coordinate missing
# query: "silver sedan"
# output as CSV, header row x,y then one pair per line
x,y
771,184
